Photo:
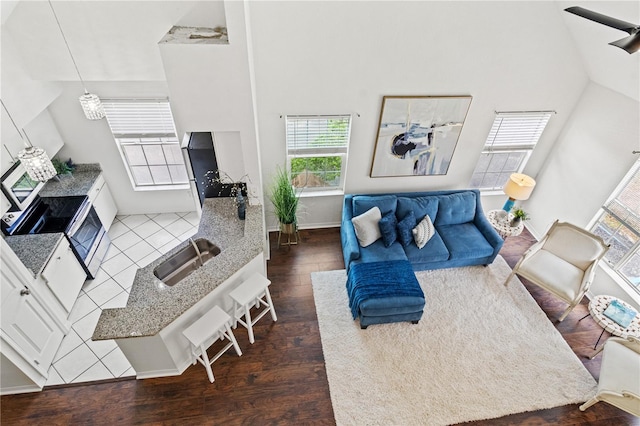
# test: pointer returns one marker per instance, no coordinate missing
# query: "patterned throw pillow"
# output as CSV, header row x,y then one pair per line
x,y
423,232
366,226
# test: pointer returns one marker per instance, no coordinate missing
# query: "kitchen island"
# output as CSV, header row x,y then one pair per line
x,y
149,329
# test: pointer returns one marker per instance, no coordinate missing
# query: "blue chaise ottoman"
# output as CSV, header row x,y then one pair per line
x,y
384,292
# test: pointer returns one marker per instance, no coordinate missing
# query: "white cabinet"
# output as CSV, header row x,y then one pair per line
x,y
64,274
103,203
30,335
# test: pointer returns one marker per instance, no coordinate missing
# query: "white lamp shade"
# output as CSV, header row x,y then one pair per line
x,y
519,186
92,106
37,164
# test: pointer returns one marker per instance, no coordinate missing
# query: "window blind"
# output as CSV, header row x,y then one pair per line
x,y
317,133
147,118
513,129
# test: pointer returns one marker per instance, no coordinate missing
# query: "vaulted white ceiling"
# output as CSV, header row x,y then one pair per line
x,y
606,65
110,44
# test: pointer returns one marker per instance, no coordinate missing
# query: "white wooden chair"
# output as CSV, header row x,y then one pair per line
x,y
619,383
212,326
563,262
253,292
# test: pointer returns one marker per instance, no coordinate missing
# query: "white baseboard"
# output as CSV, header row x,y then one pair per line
x,y
20,389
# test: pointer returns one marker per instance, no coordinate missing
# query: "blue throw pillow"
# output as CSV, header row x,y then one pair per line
x,y
388,230
405,228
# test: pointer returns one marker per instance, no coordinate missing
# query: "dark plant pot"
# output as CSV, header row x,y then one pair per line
x,y
242,206
515,221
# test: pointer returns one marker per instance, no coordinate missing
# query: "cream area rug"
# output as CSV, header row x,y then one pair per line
x,y
481,351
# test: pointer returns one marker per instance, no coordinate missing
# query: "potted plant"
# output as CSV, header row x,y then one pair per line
x,y
518,216
227,186
284,198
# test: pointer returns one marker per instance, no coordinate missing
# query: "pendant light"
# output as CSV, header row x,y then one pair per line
x,y
35,160
91,104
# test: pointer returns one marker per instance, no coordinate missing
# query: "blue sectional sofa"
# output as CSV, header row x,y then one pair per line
x,y
463,236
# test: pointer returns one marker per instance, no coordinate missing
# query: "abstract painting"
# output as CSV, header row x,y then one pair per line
x,y
418,134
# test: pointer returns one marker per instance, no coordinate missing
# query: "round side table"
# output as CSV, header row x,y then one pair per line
x,y
597,306
502,223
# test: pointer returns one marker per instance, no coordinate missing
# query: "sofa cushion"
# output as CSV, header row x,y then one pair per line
x,y
456,208
433,251
388,225
362,203
405,226
464,241
366,226
378,252
423,232
421,206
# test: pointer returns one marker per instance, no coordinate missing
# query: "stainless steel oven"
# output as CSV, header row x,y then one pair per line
x,y
89,238
72,215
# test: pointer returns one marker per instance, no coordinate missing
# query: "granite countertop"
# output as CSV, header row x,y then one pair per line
x,y
78,183
152,305
34,250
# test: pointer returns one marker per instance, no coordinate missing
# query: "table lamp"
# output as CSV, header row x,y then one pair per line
x,y
518,187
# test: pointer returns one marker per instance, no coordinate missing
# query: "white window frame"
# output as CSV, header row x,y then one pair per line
x,y
511,132
147,123
297,147
608,209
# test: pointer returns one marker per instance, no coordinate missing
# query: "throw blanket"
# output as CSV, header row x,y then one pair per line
x,y
374,280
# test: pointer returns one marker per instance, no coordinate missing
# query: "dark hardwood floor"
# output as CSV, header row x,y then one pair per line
x,y
281,379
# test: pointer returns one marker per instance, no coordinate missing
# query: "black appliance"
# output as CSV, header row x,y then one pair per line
x,y
204,165
72,215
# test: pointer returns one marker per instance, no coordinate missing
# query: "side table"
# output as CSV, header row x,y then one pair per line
x,y
597,306
502,223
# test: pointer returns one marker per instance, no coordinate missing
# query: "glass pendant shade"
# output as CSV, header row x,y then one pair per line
x,y
37,164
92,106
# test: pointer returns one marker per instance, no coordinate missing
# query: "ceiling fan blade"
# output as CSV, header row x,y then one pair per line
x,y
630,44
603,19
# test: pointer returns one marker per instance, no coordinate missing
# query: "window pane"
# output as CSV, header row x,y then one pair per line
x,y
483,162
316,146
490,180
310,172
161,175
178,174
154,154
498,162
498,166
173,154
145,132
476,180
631,270
134,155
513,162
620,238
141,175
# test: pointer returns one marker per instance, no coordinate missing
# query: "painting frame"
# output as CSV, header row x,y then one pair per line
x,y
417,135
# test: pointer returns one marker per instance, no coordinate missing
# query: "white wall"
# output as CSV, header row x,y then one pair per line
x,y
115,47
211,92
328,57
88,141
592,155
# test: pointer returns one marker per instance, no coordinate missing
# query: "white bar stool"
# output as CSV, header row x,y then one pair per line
x,y
248,294
205,331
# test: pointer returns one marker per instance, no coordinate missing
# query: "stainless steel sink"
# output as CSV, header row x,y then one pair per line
x,y
183,263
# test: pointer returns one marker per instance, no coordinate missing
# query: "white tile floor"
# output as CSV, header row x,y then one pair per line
x,y
136,241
